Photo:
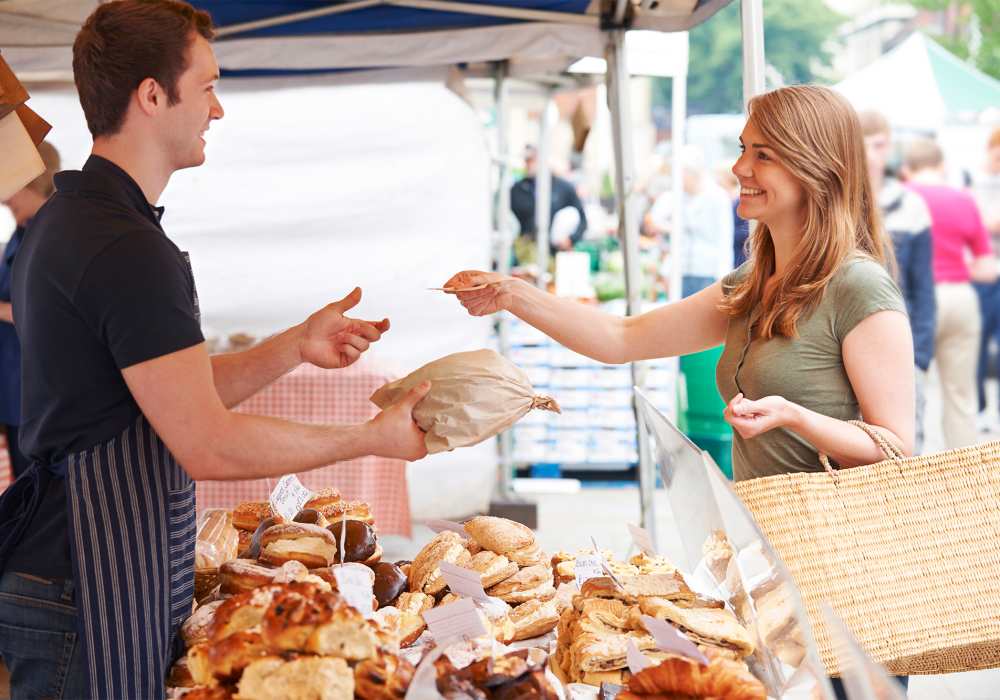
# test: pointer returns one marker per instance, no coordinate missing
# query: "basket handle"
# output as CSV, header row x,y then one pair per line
x,y
890,450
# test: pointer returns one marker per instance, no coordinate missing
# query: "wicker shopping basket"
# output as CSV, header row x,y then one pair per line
x,y
907,551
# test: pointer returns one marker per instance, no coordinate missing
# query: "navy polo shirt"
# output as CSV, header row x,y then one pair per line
x,y
97,287
10,348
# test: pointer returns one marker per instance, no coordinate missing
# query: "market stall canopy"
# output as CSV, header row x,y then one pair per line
x,y
920,85
306,36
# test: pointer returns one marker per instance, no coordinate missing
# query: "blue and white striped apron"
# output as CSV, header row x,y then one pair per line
x,y
131,513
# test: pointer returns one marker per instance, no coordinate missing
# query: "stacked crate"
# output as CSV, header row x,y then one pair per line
x,y
597,427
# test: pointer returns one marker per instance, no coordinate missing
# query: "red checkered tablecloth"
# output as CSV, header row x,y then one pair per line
x,y
312,395
340,397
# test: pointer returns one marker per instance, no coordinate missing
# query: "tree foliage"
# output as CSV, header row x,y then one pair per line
x,y
978,38
794,32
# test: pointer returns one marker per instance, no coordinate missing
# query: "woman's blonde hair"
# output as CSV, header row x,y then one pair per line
x,y
816,136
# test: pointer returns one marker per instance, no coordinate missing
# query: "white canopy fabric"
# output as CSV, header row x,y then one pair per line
x,y
919,86
309,190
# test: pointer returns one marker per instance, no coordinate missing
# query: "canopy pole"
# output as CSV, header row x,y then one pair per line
x,y
504,245
752,17
678,111
543,193
619,81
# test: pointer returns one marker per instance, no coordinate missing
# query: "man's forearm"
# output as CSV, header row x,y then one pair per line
x,y
6,312
256,447
240,375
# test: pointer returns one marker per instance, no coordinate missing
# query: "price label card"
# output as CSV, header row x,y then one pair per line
x,y
670,640
636,661
641,539
355,587
463,582
454,622
447,526
587,566
605,566
289,496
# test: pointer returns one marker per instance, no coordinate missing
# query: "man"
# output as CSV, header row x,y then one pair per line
x,y
122,406
23,204
985,186
567,222
907,220
956,229
708,226
728,181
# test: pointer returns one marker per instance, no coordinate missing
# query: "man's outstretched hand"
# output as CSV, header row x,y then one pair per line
x,y
332,340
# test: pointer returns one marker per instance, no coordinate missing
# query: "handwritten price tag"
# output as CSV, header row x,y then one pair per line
x,y
636,661
463,582
670,640
447,526
605,566
641,539
456,621
289,496
355,587
587,566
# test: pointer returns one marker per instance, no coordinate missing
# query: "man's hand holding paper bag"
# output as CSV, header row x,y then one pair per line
x,y
473,396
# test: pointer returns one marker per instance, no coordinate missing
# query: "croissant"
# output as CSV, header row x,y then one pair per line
x,y
722,678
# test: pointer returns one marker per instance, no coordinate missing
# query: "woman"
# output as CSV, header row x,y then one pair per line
x,y
815,329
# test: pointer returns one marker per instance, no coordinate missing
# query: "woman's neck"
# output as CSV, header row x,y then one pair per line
x,y
785,236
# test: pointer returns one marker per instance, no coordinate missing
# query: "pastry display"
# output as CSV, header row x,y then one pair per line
x,y
278,628
360,541
311,516
506,537
322,499
390,582
353,510
311,545
682,678
249,515
425,574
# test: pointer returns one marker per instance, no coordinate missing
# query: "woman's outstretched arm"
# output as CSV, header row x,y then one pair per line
x,y
690,325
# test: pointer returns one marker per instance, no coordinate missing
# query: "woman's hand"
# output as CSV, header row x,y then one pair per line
x,y
490,299
751,418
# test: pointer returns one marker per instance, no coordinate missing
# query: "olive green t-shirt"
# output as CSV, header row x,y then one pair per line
x,y
808,371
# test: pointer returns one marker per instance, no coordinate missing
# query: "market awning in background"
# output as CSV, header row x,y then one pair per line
x,y
920,85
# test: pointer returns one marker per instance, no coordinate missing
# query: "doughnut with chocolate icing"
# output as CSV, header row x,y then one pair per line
x,y
389,582
360,543
254,548
311,516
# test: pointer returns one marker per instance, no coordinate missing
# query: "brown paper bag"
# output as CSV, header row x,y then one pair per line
x,y
474,396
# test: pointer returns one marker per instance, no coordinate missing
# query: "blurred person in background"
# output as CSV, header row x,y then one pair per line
x,y
708,226
24,204
741,227
985,186
906,218
568,221
956,228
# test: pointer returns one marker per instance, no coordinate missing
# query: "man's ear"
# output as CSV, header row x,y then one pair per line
x,y
150,97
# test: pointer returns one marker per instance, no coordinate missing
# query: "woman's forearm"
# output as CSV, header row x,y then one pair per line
x,y
6,312
581,328
847,444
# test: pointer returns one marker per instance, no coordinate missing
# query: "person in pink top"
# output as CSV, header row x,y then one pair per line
x,y
962,254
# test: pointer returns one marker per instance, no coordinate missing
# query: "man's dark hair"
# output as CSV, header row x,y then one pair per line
x,y
124,42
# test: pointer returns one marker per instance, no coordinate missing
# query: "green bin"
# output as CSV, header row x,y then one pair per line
x,y
703,416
